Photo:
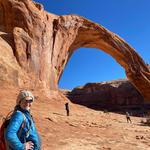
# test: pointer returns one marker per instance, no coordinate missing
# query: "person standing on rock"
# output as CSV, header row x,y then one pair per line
x,y
128,117
21,133
67,108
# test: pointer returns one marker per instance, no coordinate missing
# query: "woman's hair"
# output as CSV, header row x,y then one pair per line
x,y
22,94
17,107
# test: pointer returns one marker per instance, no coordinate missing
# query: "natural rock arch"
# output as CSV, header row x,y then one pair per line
x,y
44,42
93,35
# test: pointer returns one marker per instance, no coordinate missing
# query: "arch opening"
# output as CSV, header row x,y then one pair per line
x,y
109,90
89,65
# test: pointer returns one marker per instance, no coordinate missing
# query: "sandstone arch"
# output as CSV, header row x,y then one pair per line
x,y
44,42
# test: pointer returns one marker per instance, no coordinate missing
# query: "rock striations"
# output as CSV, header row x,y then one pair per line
x,y
111,95
36,45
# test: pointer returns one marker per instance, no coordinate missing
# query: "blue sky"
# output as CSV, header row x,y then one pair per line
x,y
130,19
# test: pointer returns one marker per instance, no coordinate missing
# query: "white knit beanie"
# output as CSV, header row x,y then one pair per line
x,y
22,95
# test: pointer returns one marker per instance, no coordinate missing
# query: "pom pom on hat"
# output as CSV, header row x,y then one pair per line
x,y
22,95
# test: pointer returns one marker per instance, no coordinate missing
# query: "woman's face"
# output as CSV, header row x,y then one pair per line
x,y
26,103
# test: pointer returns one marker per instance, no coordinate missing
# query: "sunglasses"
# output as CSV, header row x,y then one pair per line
x,y
29,101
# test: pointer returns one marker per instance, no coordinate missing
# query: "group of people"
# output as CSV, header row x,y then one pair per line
x,y
26,137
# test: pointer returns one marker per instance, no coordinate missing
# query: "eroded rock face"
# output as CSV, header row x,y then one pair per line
x,y
111,95
40,44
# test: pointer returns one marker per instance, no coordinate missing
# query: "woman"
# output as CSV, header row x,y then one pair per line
x,y
21,133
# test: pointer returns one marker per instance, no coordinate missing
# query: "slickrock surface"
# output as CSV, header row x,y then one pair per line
x,y
36,45
34,48
84,129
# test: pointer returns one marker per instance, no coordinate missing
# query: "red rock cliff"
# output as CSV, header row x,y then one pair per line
x,y
113,95
36,45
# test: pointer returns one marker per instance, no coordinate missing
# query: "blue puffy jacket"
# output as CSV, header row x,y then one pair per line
x,y
16,142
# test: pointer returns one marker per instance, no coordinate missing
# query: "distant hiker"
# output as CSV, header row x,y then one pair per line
x,y
128,117
21,133
67,108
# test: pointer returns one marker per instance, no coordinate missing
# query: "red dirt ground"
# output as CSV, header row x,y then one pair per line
x,y
84,129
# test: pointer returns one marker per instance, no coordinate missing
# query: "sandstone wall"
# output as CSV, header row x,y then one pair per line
x,y
111,95
36,46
